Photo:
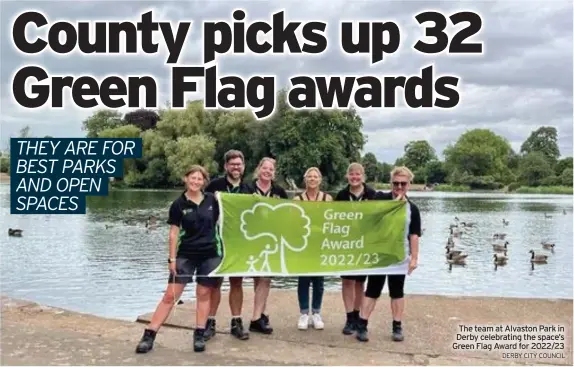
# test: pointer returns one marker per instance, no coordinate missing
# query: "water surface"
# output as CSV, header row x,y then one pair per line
x,y
107,263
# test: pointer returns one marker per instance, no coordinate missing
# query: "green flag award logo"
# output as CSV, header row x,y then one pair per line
x,y
255,225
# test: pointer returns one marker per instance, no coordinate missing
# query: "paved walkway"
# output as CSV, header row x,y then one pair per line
x,y
37,335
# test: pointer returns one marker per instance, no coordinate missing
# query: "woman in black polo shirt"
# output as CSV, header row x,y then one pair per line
x,y
265,186
353,285
193,250
401,178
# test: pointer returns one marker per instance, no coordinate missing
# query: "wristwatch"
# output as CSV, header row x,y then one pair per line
x,y
170,260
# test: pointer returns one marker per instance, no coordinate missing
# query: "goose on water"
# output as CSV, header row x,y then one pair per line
x,y
548,245
454,252
499,236
455,233
460,260
539,259
500,259
497,247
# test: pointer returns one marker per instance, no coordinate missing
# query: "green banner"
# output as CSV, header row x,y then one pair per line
x,y
276,237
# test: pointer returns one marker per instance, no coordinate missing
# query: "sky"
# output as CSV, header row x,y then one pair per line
x,y
522,81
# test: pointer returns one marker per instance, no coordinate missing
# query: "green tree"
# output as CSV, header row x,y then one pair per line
x,y
478,153
417,154
435,172
385,172
372,167
543,140
102,120
566,177
178,123
125,131
563,164
187,151
236,130
5,164
534,168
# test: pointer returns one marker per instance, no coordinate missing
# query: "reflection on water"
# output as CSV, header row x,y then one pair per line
x,y
107,262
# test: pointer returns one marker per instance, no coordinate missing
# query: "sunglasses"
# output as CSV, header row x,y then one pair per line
x,y
400,184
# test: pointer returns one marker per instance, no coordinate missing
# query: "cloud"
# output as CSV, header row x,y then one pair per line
x,y
522,81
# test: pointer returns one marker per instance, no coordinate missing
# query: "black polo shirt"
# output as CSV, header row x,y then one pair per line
x,y
197,223
275,191
345,195
415,225
222,184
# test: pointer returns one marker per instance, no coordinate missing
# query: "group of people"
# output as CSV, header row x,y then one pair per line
x,y
195,250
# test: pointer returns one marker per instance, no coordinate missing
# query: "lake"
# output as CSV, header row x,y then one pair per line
x,y
106,263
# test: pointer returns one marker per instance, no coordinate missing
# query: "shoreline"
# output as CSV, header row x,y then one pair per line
x,y
524,190
430,322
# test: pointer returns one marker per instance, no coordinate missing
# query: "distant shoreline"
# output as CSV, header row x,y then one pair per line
x,y
558,190
547,190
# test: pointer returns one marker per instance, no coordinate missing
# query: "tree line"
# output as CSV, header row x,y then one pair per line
x,y
174,139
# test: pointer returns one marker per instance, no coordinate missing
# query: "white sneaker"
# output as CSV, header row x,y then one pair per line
x,y
317,321
303,322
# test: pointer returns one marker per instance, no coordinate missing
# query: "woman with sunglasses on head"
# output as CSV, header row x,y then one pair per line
x,y
263,185
401,178
312,192
193,250
353,285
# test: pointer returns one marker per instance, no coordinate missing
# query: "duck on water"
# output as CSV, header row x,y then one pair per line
x,y
14,232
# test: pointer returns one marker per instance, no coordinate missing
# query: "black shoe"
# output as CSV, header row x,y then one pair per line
x,y
146,342
198,340
237,329
209,329
349,327
259,326
265,318
362,333
398,334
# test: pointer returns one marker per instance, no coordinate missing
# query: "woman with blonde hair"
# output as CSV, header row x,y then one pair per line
x,y
312,192
401,178
353,285
263,185
193,250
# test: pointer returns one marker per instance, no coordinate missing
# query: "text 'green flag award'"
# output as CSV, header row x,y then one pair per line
x,y
275,237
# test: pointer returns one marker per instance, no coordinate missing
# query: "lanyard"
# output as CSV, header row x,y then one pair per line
x,y
234,189
261,193
316,197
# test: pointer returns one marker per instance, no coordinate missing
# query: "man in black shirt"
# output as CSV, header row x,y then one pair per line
x,y
231,182
234,168
401,177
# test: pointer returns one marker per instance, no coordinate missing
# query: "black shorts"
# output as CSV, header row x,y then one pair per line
x,y
357,278
396,285
199,266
